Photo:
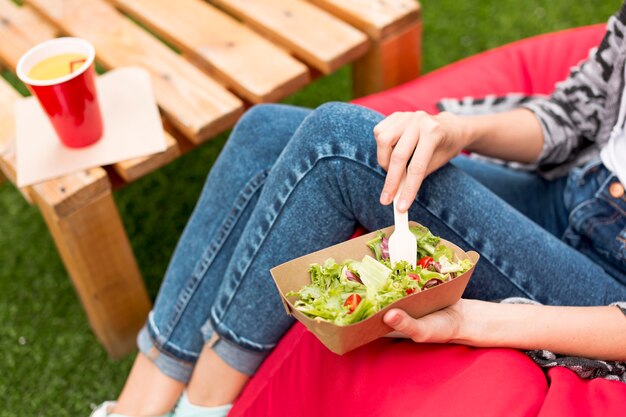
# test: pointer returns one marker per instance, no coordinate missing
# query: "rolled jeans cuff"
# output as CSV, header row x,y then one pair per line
x,y
170,365
244,360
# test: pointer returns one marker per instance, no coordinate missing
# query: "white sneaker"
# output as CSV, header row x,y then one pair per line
x,y
104,409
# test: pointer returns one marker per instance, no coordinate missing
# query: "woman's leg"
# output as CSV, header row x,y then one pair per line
x,y
148,391
578,208
171,341
535,197
326,181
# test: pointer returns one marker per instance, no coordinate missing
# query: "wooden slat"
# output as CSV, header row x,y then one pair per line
x,y
375,17
7,122
20,29
315,36
243,60
196,104
136,168
89,234
68,194
7,129
7,165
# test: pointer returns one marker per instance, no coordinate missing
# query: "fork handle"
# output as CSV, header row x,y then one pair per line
x,y
401,220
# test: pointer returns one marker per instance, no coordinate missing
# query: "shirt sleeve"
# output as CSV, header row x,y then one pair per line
x,y
621,305
571,117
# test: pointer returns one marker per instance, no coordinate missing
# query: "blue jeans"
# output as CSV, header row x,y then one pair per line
x,y
291,181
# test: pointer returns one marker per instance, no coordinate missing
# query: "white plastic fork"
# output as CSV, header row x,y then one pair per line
x,y
402,243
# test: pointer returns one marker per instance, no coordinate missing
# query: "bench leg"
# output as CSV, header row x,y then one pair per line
x,y
390,61
97,254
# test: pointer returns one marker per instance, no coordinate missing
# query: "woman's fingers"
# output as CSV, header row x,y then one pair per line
x,y
387,133
413,137
403,323
438,327
405,136
400,156
429,139
389,120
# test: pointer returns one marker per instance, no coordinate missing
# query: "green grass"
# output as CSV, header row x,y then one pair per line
x,y
50,363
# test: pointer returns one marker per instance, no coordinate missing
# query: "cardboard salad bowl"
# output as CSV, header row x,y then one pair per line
x,y
293,275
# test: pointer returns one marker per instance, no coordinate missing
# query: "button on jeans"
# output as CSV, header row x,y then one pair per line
x,y
291,181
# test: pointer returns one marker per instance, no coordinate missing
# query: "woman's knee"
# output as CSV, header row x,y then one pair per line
x,y
339,124
341,116
264,123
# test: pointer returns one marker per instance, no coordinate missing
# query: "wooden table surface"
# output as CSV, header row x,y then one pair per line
x,y
208,62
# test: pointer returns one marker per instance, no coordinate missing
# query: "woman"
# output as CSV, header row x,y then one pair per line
x,y
290,181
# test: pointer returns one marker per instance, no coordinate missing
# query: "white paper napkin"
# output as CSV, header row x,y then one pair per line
x,y
132,128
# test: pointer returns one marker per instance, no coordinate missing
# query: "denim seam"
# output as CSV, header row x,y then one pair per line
x,y
166,350
603,222
450,224
208,257
234,345
164,344
591,224
592,167
218,326
597,195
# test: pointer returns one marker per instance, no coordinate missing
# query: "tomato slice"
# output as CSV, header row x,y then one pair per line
x,y
425,262
414,277
352,302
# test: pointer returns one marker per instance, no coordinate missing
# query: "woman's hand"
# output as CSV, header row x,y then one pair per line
x,y
591,332
427,141
443,326
431,141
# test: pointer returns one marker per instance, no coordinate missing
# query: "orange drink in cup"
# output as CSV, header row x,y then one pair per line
x,y
60,73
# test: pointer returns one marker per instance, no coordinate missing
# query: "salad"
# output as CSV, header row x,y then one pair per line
x,y
351,291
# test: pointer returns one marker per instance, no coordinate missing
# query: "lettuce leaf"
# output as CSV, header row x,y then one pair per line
x,y
380,246
426,241
442,251
373,273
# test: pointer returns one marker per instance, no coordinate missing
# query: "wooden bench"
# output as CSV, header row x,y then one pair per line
x,y
208,61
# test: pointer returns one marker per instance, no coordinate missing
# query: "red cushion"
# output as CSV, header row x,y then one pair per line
x,y
529,66
572,396
391,378
399,378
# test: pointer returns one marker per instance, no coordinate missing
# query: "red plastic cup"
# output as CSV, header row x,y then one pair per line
x,y
71,102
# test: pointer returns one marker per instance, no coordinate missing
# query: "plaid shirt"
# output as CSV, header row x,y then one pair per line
x,y
578,117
